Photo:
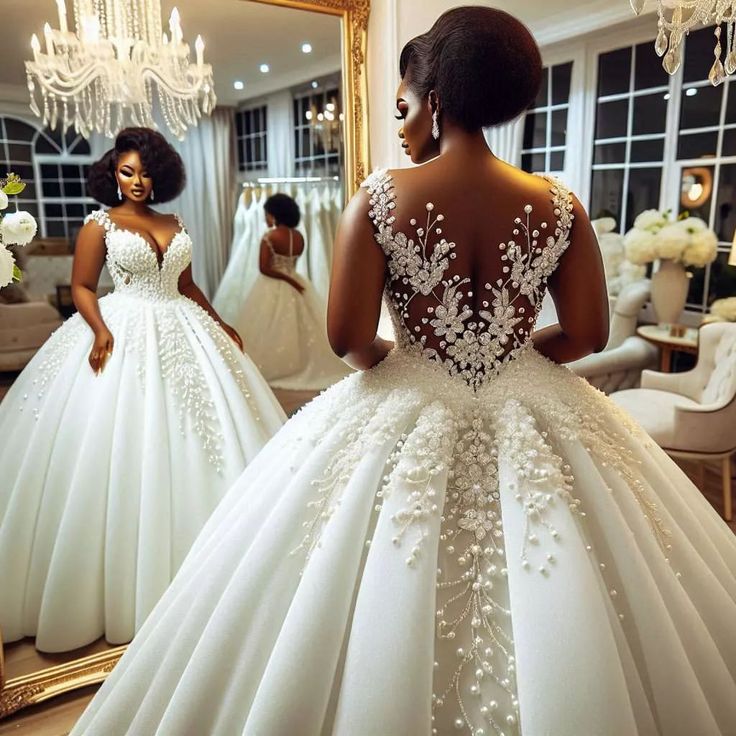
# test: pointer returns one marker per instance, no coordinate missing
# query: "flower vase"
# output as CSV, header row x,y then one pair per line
x,y
670,285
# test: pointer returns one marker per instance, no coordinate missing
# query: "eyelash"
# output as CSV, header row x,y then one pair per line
x,y
400,116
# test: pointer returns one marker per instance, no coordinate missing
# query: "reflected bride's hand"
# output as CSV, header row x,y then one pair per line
x,y
233,335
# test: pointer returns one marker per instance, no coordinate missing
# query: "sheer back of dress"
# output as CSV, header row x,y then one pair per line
x,y
466,310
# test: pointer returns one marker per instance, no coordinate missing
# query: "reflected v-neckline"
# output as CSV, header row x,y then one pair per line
x,y
154,247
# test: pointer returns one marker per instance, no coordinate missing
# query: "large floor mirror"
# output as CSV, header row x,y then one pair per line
x,y
293,75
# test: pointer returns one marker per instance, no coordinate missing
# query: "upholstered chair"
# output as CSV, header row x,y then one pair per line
x,y
692,415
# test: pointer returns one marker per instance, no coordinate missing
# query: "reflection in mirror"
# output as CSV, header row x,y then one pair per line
x,y
266,185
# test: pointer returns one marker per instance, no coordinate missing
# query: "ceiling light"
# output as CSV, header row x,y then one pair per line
x,y
306,48
238,84
667,96
265,68
315,85
691,92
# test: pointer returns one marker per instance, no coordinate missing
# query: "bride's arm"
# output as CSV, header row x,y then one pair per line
x,y
356,288
189,289
89,257
578,288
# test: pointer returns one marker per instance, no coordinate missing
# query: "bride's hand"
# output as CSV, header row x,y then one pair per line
x,y
101,350
297,286
233,335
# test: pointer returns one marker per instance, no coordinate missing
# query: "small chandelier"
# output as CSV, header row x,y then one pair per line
x,y
327,125
102,77
678,17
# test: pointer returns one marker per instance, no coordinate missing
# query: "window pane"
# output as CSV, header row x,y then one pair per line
x,y
701,107
15,130
610,153
533,162
20,152
69,172
559,128
73,189
74,211
535,130
649,150
54,210
650,114
696,191
557,161
725,224
698,145
699,47
82,148
614,72
55,228
239,123
542,100
24,171
729,142
722,278
44,145
612,119
731,104
248,127
606,194
696,292
648,70
51,188
643,194
561,77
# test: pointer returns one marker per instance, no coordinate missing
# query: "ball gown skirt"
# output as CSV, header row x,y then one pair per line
x,y
285,334
107,479
408,556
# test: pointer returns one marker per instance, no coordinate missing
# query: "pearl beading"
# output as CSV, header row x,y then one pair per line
x,y
471,346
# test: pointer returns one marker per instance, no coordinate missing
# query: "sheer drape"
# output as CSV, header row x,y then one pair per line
x,y
280,127
505,140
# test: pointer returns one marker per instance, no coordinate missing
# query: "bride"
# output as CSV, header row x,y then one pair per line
x,y
282,319
464,537
127,427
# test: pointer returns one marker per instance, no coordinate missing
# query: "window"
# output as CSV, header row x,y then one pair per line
x,y
545,124
706,164
252,133
632,102
54,168
317,138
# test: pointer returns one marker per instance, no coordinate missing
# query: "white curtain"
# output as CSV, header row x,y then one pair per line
x,y
280,129
505,140
207,204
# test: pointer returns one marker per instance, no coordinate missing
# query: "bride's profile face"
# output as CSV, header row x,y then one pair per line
x,y
416,130
135,182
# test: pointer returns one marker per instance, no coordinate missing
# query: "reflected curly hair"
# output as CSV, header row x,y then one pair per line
x,y
483,63
163,163
283,209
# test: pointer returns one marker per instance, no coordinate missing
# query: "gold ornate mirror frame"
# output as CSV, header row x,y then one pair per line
x,y
20,692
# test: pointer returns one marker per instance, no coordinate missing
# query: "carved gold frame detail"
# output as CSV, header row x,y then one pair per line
x,y
20,692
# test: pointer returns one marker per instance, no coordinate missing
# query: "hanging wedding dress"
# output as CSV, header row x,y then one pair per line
x,y
285,332
105,480
465,539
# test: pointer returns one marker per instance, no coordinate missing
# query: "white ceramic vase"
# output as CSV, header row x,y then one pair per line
x,y
670,285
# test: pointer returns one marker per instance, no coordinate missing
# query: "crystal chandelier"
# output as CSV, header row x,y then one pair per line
x,y
102,77
678,17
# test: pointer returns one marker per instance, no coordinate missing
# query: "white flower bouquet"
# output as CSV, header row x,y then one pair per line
x,y
722,310
688,240
16,228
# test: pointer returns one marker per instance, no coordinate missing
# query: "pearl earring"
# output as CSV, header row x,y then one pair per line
x,y
435,126
120,194
151,195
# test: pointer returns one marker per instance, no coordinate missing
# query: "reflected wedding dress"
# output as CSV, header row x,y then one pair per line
x,y
105,481
467,538
285,332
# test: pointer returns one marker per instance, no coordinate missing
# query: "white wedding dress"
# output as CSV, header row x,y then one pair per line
x,y
285,332
105,481
465,539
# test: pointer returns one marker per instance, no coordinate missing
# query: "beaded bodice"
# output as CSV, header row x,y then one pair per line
x,y
134,266
434,309
280,261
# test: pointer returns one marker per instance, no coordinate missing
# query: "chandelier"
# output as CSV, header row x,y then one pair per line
x,y
326,126
102,77
678,17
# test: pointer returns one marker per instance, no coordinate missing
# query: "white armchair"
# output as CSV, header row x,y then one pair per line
x,y
693,414
626,355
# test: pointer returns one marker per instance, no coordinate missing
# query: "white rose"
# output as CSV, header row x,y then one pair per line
x,y
724,310
3,200
671,241
6,266
693,224
650,220
639,245
603,225
18,228
702,250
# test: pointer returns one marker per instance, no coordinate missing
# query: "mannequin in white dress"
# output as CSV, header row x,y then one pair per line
x,y
127,427
283,319
463,537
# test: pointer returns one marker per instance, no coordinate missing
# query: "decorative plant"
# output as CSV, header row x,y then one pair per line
x,y
687,240
722,310
16,228
619,270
